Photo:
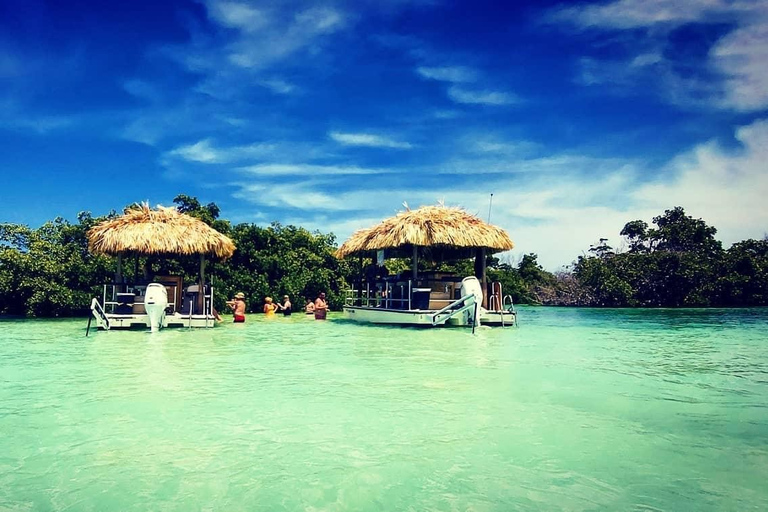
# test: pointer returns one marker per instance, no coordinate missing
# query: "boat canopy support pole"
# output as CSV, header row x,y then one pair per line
x,y
360,281
480,273
119,271
202,284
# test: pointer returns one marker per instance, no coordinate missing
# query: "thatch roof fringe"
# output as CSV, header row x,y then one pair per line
x,y
428,226
162,231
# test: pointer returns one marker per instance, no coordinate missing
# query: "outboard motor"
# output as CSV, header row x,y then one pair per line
x,y
155,302
471,285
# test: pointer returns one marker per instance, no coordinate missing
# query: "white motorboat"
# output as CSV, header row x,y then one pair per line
x,y
163,301
156,305
445,301
427,298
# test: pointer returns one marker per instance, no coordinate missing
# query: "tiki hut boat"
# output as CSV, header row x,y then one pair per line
x,y
430,298
162,301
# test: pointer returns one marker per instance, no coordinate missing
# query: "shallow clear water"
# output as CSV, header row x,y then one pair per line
x,y
575,410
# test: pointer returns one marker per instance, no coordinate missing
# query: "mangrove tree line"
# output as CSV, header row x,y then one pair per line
x,y
48,271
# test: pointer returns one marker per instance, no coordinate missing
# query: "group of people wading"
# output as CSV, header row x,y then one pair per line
x,y
318,307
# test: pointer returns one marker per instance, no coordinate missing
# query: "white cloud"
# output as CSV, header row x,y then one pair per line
x,y
307,195
728,189
44,124
292,195
511,161
142,89
489,144
460,95
341,226
14,117
559,218
628,14
367,139
742,56
307,170
282,38
278,86
453,74
739,56
204,152
446,114
251,39
237,15
319,20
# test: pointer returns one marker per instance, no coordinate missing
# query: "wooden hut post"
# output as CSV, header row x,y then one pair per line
x,y
201,299
480,273
359,301
415,263
119,271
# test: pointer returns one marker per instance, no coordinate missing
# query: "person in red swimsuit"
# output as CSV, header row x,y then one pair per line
x,y
238,307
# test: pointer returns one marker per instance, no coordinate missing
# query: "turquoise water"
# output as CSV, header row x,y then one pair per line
x,y
576,410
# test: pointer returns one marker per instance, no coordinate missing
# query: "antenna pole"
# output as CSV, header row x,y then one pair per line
x,y
489,208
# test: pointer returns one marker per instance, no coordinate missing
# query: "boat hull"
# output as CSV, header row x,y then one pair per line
x,y
139,321
416,317
498,318
426,317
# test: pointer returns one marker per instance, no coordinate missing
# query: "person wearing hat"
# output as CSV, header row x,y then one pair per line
x,y
238,307
286,307
269,307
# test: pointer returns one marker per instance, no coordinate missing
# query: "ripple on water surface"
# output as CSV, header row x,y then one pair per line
x,y
575,410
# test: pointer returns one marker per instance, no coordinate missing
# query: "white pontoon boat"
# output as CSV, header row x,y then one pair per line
x,y
156,305
162,301
428,298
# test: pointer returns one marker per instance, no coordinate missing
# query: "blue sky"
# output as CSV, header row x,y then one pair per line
x,y
577,117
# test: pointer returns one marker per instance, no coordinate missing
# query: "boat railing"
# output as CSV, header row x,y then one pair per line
x,y
380,295
128,298
508,306
402,295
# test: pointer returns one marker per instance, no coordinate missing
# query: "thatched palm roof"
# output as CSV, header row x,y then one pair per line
x,y
428,226
163,231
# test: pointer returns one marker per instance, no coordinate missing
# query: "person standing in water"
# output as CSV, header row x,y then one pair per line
x,y
238,307
309,308
269,307
321,307
286,307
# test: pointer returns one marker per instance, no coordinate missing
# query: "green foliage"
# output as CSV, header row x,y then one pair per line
x,y
744,280
49,271
512,283
678,263
208,213
284,260
606,284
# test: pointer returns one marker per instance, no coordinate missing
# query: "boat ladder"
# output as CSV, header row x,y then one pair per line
x,y
508,307
99,313
455,308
